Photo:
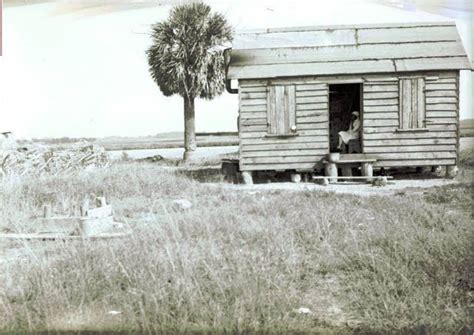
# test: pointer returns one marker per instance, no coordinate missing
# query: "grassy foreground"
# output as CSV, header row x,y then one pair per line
x,y
240,261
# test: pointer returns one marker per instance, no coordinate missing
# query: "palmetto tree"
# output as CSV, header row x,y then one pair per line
x,y
186,58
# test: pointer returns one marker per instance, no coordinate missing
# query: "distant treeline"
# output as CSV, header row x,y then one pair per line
x,y
62,140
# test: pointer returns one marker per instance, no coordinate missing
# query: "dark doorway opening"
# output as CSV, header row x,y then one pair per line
x,y
343,100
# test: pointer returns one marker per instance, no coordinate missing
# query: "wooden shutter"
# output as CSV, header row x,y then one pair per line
x,y
412,103
281,109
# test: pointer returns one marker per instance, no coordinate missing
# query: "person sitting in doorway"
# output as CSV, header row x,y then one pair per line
x,y
352,133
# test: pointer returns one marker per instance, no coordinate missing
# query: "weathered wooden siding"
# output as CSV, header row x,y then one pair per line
x,y
258,151
437,145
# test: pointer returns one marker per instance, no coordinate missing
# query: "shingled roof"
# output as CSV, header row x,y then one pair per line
x,y
349,49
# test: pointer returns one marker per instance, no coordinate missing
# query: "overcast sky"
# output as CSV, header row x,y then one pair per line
x,y
73,68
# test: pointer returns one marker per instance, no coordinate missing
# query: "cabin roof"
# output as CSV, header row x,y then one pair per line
x,y
347,49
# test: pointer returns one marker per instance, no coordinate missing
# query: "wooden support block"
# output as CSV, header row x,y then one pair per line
x,y
247,177
451,171
331,172
437,170
367,171
295,177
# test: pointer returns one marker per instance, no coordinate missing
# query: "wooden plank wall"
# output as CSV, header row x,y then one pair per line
x,y
436,146
301,152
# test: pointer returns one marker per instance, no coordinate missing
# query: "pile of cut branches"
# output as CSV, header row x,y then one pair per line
x,y
38,160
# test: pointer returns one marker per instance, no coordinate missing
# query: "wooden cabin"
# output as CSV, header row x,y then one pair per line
x,y
298,87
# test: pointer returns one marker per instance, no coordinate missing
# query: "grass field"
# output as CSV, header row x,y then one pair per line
x,y
240,261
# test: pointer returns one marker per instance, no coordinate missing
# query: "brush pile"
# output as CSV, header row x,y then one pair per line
x,y
37,160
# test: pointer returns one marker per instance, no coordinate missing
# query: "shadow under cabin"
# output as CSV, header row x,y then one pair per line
x,y
347,99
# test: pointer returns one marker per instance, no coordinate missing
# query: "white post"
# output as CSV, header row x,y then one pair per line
x,y
367,171
295,177
247,177
331,172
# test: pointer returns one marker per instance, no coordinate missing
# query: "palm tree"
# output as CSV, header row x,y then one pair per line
x,y
186,58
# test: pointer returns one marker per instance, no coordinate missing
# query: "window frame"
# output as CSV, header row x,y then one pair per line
x,y
275,109
401,106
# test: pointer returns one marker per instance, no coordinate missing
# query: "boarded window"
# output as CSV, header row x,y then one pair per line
x,y
412,103
281,110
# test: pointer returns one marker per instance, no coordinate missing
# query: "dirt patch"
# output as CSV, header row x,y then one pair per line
x,y
394,187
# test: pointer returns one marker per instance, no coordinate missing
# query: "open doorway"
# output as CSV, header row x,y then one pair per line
x,y
343,100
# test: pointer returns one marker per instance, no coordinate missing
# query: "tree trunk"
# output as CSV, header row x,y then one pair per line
x,y
189,129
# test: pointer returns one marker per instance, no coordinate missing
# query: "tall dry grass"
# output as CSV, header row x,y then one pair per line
x,y
240,261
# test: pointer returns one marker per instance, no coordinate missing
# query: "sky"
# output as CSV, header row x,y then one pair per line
x,y
79,69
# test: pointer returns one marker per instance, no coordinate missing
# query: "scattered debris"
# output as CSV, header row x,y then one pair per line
x,y
152,159
380,181
95,222
37,159
182,205
304,310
